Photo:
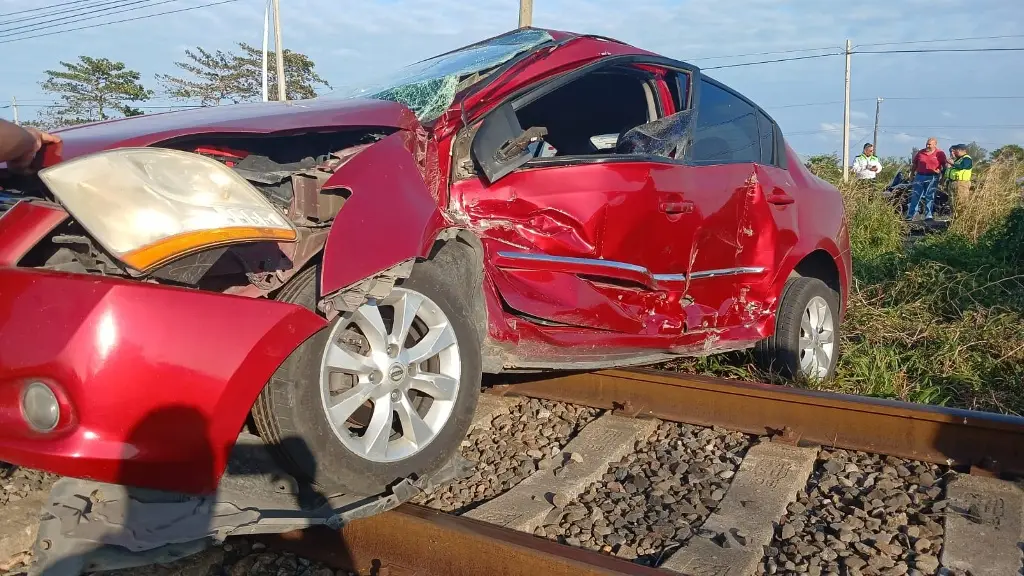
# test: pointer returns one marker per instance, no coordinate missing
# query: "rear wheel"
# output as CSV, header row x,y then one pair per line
x,y
805,344
387,391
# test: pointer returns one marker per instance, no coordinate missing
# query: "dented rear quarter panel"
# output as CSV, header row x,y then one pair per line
x,y
822,224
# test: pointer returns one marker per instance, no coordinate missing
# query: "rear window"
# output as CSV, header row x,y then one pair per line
x,y
726,131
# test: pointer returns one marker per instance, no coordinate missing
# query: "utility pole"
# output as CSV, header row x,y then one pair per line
x,y
525,13
266,35
846,117
14,108
281,88
878,108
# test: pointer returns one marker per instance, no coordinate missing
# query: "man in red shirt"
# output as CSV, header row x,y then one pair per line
x,y
928,166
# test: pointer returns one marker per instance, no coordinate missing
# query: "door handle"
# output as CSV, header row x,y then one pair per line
x,y
678,207
779,197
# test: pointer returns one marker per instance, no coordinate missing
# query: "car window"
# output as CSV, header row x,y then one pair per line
x,y
766,130
726,128
679,85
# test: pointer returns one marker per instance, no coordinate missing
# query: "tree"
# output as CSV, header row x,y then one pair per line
x,y
976,152
90,90
222,77
1010,151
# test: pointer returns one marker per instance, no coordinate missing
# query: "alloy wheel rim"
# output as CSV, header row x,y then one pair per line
x,y
817,339
389,381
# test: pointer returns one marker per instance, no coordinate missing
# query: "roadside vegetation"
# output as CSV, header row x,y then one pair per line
x,y
936,318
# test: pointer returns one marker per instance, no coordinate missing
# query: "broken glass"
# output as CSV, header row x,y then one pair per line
x,y
429,87
668,137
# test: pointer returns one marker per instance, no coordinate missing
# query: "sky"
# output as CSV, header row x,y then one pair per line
x,y
954,96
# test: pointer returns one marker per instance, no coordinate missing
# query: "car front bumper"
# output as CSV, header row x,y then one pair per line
x,y
153,382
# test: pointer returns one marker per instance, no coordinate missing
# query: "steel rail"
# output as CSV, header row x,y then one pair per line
x,y
412,540
947,436
415,540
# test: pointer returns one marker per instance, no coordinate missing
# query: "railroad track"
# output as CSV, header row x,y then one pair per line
x,y
640,472
632,472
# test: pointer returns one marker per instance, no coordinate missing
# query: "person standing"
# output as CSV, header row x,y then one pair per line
x,y
959,173
866,165
927,167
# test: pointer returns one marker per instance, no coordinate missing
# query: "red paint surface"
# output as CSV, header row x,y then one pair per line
x,y
390,217
124,354
255,118
23,226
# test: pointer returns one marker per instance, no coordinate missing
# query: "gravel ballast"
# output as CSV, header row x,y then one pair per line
x,y
17,483
532,434
655,497
862,514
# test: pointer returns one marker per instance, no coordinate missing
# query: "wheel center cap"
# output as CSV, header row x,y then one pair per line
x,y
396,373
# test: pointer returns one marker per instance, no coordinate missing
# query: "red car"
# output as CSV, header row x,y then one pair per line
x,y
343,270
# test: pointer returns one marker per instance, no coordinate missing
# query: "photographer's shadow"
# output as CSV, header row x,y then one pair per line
x,y
87,526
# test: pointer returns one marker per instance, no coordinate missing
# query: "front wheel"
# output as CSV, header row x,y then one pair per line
x,y
388,391
805,345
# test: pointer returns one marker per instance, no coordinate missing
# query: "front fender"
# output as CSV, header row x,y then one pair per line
x,y
391,215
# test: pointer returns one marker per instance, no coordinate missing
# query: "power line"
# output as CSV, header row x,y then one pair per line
x,y
66,11
38,8
900,98
975,127
937,40
47,24
6,41
772,61
933,50
794,51
183,106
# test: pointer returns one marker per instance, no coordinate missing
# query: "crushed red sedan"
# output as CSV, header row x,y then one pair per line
x,y
341,271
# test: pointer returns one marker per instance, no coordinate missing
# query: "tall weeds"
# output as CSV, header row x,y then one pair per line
x,y
991,198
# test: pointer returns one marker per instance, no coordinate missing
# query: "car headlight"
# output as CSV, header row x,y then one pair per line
x,y
148,206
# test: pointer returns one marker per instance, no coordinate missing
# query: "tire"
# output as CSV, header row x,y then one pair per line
x,y
782,353
291,413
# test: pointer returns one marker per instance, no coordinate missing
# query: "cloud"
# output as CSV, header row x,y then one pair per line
x,y
831,129
947,114
904,137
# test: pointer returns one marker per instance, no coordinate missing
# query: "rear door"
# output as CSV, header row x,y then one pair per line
x,y
732,252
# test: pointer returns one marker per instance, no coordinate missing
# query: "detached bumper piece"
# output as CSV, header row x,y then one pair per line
x,y
91,526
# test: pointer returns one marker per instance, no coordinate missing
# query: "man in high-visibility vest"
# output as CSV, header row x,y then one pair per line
x,y
959,172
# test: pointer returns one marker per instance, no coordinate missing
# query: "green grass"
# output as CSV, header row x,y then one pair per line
x,y
939,320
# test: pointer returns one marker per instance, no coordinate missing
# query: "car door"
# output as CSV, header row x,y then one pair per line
x,y
737,193
584,239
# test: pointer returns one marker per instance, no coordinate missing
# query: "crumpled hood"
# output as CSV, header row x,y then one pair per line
x,y
256,118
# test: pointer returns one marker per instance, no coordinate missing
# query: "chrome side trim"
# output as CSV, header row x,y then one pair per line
x,y
597,262
713,273
574,260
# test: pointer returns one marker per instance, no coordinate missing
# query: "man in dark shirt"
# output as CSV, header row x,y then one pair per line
x,y
19,145
927,167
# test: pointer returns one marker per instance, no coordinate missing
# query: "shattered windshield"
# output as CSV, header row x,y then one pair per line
x,y
429,87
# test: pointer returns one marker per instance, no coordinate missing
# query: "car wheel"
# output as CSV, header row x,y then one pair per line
x,y
386,392
805,344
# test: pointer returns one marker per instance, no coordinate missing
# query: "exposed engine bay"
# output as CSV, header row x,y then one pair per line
x,y
289,170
